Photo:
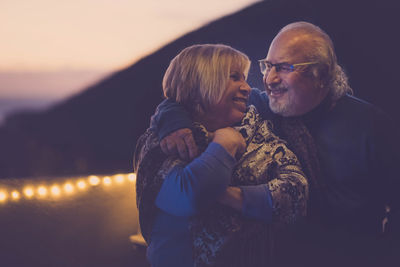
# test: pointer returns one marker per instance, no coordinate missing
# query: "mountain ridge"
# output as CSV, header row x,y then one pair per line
x,y
95,131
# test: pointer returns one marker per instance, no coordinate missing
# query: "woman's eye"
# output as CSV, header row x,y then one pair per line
x,y
235,77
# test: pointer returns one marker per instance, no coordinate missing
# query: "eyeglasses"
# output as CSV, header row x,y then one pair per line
x,y
266,66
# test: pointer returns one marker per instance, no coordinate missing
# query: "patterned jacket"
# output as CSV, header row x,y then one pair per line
x,y
223,236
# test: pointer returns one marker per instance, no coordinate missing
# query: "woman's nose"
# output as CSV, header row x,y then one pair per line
x,y
245,88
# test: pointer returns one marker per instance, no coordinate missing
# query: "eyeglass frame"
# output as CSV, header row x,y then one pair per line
x,y
262,64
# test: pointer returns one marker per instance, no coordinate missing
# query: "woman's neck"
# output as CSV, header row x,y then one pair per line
x,y
210,122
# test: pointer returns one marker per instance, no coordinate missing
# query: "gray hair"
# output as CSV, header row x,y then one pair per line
x,y
197,77
328,72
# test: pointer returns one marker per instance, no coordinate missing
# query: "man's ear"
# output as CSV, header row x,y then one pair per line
x,y
321,73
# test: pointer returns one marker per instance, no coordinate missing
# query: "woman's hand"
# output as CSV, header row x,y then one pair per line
x,y
231,140
232,197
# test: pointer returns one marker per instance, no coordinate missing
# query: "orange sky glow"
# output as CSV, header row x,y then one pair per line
x,y
53,49
96,34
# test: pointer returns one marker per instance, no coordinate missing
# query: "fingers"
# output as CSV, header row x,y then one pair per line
x,y
182,150
191,146
180,143
163,145
241,149
211,136
231,140
168,146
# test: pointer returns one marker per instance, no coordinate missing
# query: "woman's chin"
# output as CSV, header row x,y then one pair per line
x,y
241,106
237,117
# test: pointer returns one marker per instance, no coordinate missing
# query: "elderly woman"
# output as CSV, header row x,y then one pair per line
x,y
219,209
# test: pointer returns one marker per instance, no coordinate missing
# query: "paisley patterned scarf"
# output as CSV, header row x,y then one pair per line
x,y
223,236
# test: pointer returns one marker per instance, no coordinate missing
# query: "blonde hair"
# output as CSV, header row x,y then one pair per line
x,y
198,75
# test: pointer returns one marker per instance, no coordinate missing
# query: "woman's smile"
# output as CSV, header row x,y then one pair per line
x,y
241,103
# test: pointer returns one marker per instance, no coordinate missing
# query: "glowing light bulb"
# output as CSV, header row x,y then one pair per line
x,y
107,181
94,180
132,177
69,188
81,184
119,179
15,195
28,192
42,191
55,190
3,196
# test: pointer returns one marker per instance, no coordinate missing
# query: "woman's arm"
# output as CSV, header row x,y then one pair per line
x,y
278,189
289,193
171,116
172,123
187,189
252,201
286,203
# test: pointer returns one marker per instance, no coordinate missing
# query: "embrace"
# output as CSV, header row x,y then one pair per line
x,y
229,176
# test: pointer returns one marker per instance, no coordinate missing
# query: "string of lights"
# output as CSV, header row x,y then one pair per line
x,y
41,190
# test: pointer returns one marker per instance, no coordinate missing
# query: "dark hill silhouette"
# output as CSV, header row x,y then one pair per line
x,y
96,130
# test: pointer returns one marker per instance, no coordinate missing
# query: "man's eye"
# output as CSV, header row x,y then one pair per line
x,y
286,67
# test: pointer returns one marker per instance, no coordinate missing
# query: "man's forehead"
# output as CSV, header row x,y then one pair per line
x,y
289,46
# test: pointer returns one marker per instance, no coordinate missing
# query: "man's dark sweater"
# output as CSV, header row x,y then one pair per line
x,y
358,150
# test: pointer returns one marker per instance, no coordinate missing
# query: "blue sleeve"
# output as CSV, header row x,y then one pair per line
x,y
257,202
260,100
187,189
169,117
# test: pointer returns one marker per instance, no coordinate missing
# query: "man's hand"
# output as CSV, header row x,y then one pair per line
x,y
180,142
231,140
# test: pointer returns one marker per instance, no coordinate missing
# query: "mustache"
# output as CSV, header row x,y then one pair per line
x,y
277,87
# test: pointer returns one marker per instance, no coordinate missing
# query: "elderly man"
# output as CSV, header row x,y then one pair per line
x,y
348,149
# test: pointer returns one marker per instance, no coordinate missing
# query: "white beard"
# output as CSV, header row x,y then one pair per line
x,y
280,108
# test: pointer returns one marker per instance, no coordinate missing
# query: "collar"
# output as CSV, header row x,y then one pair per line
x,y
318,113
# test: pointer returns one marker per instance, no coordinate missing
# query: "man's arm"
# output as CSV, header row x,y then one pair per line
x,y
260,100
170,117
173,122
180,142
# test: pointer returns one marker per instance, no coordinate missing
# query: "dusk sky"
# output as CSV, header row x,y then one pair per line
x,y
52,49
